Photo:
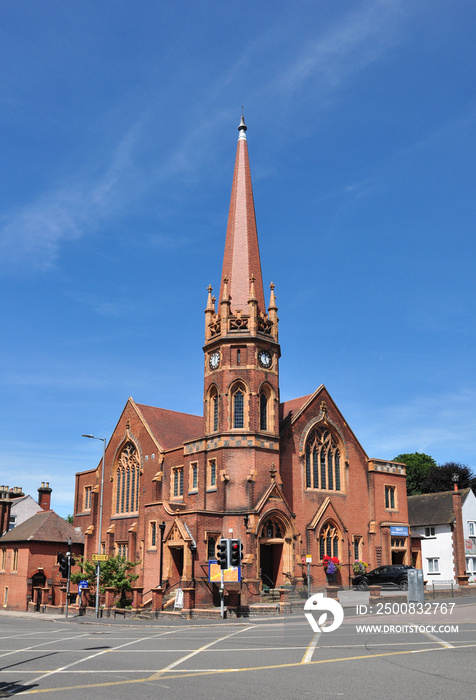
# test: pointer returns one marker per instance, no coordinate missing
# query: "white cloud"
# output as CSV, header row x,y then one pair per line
x,y
32,235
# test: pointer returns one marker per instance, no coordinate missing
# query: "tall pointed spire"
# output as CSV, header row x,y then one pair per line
x,y
241,260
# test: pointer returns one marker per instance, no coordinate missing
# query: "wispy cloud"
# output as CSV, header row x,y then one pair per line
x,y
356,41
439,425
32,235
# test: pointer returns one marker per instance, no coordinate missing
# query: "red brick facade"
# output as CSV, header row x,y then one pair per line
x,y
29,571
288,479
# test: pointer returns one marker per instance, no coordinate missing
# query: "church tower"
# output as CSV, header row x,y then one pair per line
x,y
241,393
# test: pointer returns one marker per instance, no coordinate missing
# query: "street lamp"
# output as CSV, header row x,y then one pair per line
x,y
162,529
98,564
68,555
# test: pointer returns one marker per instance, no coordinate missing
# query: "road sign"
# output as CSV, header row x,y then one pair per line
x,y
83,585
308,559
99,557
233,573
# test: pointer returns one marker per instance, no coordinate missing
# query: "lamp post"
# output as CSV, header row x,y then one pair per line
x,y
98,564
161,528
68,554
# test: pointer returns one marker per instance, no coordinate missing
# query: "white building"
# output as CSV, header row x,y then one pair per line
x,y
432,518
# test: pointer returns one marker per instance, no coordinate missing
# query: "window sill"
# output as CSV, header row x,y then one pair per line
x,y
192,492
211,489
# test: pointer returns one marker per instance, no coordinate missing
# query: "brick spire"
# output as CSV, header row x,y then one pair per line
x,y
241,260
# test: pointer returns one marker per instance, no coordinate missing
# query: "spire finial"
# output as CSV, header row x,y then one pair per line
x,y
242,128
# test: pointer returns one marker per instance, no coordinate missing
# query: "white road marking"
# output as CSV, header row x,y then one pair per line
x,y
440,641
91,656
37,646
310,649
197,651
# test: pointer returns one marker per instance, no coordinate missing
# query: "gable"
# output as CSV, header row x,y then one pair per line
x,y
317,408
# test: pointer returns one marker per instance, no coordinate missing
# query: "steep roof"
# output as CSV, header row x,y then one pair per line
x,y
171,428
288,409
433,508
241,259
45,526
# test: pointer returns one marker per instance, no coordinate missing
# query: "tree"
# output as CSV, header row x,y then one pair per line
x,y
114,573
440,478
419,466
69,519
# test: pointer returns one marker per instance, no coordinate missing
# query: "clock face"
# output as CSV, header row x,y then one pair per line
x,y
214,360
264,358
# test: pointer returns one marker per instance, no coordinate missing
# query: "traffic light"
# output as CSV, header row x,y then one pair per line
x,y
224,554
63,564
236,555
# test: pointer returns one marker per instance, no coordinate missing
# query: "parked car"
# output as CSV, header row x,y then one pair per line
x,y
391,574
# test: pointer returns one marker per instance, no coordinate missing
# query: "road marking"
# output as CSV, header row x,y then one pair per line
x,y
191,674
36,646
310,649
87,658
438,640
197,651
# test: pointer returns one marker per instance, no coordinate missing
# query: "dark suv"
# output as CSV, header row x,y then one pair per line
x,y
391,574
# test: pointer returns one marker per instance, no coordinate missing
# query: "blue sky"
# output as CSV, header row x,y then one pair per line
x,y
119,127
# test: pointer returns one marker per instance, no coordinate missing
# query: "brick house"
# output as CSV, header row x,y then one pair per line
x,y
29,573
288,479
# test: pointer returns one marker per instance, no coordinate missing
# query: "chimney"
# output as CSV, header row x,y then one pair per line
x,y
44,495
458,536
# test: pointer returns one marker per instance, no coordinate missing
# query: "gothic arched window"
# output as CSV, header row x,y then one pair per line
x,y
323,461
329,541
238,409
272,528
213,410
263,411
127,480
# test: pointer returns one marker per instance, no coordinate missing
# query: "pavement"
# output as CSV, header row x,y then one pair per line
x,y
349,599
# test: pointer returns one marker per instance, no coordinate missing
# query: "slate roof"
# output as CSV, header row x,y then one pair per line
x,y
45,526
171,428
433,508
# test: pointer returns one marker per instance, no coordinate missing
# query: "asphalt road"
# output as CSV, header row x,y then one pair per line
x,y
269,658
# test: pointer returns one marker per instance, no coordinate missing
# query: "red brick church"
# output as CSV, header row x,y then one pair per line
x,y
289,479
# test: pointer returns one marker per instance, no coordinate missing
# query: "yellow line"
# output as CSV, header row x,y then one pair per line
x,y
160,672
310,649
188,674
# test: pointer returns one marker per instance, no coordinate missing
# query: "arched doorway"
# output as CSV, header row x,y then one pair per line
x,y
178,554
275,551
38,582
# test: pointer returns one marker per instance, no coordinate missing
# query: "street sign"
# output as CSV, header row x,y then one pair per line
x,y
308,559
99,557
82,585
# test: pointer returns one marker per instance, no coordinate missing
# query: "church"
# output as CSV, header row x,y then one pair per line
x,y
290,479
